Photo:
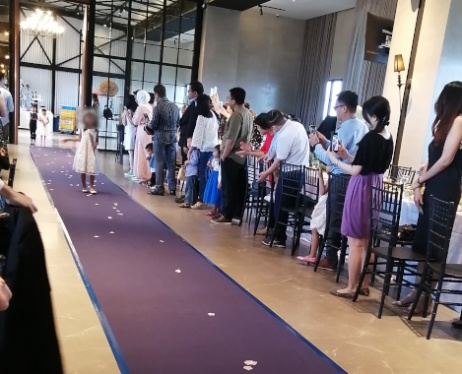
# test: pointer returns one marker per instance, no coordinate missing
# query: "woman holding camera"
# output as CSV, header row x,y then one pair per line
x,y
373,158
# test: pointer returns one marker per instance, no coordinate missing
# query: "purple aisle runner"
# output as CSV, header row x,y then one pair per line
x,y
170,310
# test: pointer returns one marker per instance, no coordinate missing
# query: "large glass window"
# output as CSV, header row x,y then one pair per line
x,y
137,44
333,88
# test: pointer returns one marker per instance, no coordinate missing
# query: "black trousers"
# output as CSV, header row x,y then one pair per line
x,y
234,187
28,342
334,236
33,129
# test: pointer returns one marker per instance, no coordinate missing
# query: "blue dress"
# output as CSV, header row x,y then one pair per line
x,y
212,195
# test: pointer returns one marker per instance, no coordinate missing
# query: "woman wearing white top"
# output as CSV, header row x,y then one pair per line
x,y
130,131
205,138
141,118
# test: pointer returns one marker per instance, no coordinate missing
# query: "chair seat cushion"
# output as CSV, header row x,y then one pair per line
x,y
400,253
452,270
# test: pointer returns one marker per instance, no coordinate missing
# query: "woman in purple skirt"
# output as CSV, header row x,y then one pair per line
x,y
373,158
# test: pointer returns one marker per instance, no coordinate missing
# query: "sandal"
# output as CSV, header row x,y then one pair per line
x,y
184,205
199,206
85,190
406,301
344,295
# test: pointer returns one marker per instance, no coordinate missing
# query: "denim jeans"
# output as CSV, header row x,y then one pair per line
x,y
165,154
203,173
190,191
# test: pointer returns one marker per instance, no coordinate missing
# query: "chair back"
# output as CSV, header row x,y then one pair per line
x,y
338,185
291,179
441,220
401,173
12,172
310,186
385,210
253,171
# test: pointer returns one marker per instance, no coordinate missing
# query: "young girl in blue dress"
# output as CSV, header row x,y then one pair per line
x,y
212,194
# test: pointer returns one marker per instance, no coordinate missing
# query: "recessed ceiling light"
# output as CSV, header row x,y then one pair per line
x,y
7,57
7,33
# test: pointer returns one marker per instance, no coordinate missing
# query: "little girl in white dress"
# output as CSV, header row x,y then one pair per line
x,y
86,156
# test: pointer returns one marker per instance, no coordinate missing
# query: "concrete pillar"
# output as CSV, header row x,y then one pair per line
x,y
437,62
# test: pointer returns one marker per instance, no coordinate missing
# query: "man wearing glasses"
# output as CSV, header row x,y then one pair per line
x,y
350,131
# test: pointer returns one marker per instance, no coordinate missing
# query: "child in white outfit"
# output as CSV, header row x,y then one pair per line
x,y
86,156
318,221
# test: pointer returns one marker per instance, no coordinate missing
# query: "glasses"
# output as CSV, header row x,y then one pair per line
x,y
338,106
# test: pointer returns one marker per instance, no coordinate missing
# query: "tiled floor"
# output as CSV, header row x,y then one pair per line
x,y
348,333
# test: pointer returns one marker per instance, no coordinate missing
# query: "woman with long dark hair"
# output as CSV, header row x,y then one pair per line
x,y
130,131
373,158
442,174
205,138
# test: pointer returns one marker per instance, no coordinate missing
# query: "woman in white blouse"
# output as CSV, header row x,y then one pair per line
x,y
205,138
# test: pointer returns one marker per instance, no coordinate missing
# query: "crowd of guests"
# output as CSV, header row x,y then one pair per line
x,y
216,142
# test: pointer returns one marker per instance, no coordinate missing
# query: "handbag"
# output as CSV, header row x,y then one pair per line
x,y
182,174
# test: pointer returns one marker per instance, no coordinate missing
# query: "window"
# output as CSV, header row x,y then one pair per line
x,y
333,88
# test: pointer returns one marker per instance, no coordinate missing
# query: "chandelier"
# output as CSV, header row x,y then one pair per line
x,y
42,23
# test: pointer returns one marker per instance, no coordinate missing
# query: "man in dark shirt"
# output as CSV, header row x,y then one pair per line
x,y
165,117
328,126
189,118
107,113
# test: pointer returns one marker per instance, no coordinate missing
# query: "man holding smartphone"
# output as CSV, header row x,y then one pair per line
x,y
349,132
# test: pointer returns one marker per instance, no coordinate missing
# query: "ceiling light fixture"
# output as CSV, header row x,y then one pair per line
x,y
7,57
42,23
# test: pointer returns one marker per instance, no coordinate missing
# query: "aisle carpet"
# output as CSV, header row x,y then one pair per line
x,y
169,309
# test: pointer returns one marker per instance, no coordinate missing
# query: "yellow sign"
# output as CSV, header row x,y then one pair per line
x,y
67,118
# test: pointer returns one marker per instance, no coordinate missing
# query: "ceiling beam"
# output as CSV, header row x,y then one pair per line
x,y
66,13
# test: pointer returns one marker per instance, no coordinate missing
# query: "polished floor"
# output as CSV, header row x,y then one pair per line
x,y
348,333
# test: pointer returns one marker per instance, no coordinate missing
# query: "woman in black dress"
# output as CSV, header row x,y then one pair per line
x,y
443,172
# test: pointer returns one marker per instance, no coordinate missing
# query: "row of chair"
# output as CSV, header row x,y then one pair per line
x,y
300,187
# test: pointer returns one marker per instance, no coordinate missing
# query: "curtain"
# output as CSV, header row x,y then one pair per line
x,y
364,77
315,68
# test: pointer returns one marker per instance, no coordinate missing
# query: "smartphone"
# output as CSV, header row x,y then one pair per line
x,y
313,130
334,142
146,118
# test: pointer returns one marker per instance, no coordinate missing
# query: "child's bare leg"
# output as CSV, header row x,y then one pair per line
x,y
92,181
314,242
83,178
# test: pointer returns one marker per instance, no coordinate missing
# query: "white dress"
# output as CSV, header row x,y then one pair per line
x,y
42,125
129,137
318,217
86,158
